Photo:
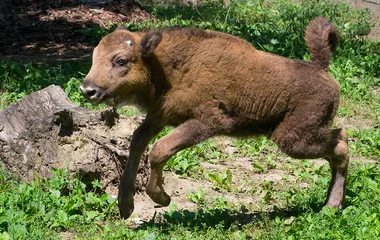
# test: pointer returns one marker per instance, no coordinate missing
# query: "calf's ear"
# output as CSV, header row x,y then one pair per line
x,y
149,42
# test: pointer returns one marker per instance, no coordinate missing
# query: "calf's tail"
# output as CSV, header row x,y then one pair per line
x,y
322,39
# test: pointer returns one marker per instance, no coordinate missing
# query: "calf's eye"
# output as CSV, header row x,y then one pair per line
x,y
121,62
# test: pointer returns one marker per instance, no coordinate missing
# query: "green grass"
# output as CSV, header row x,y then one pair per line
x,y
286,209
44,209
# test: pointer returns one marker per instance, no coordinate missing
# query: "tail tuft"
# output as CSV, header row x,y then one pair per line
x,y
322,38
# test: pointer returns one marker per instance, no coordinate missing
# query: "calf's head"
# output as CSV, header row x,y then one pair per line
x,y
118,72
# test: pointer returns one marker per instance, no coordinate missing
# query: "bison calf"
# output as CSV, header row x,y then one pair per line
x,y
209,83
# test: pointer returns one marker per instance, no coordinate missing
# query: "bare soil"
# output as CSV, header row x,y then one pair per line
x,y
244,179
57,30
178,188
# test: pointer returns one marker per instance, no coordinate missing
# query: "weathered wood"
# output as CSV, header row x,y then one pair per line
x,y
46,130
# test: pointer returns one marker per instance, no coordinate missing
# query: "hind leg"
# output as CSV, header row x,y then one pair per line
x,y
339,161
329,144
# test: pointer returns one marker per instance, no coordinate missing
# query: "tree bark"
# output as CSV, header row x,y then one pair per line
x,y
46,130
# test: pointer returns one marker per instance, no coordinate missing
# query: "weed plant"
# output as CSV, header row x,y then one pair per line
x,y
45,207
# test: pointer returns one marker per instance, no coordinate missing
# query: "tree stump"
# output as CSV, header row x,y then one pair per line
x,y
46,130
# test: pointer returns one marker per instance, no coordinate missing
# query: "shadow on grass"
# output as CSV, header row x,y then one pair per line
x,y
206,218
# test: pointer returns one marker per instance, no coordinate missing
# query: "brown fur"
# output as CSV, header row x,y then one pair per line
x,y
210,83
322,39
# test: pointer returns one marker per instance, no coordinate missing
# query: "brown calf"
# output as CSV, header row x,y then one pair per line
x,y
209,83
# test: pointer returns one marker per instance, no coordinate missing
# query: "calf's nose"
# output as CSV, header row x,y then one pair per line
x,y
92,91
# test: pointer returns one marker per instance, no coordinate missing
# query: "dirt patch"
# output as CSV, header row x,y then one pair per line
x,y
59,30
180,188
375,33
375,30
244,180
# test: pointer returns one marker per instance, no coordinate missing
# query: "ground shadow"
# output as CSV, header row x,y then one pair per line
x,y
64,30
203,219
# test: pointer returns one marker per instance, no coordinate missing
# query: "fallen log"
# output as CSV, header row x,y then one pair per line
x,y
45,130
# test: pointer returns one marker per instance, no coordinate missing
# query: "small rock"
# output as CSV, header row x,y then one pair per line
x,y
230,150
289,221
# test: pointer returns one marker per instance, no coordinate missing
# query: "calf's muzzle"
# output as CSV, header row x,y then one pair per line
x,y
92,91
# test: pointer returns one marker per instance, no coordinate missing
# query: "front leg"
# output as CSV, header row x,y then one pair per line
x,y
188,134
140,140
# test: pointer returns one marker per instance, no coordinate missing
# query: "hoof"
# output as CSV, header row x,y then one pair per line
x,y
334,205
126,207
160,198
336,202
125,212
